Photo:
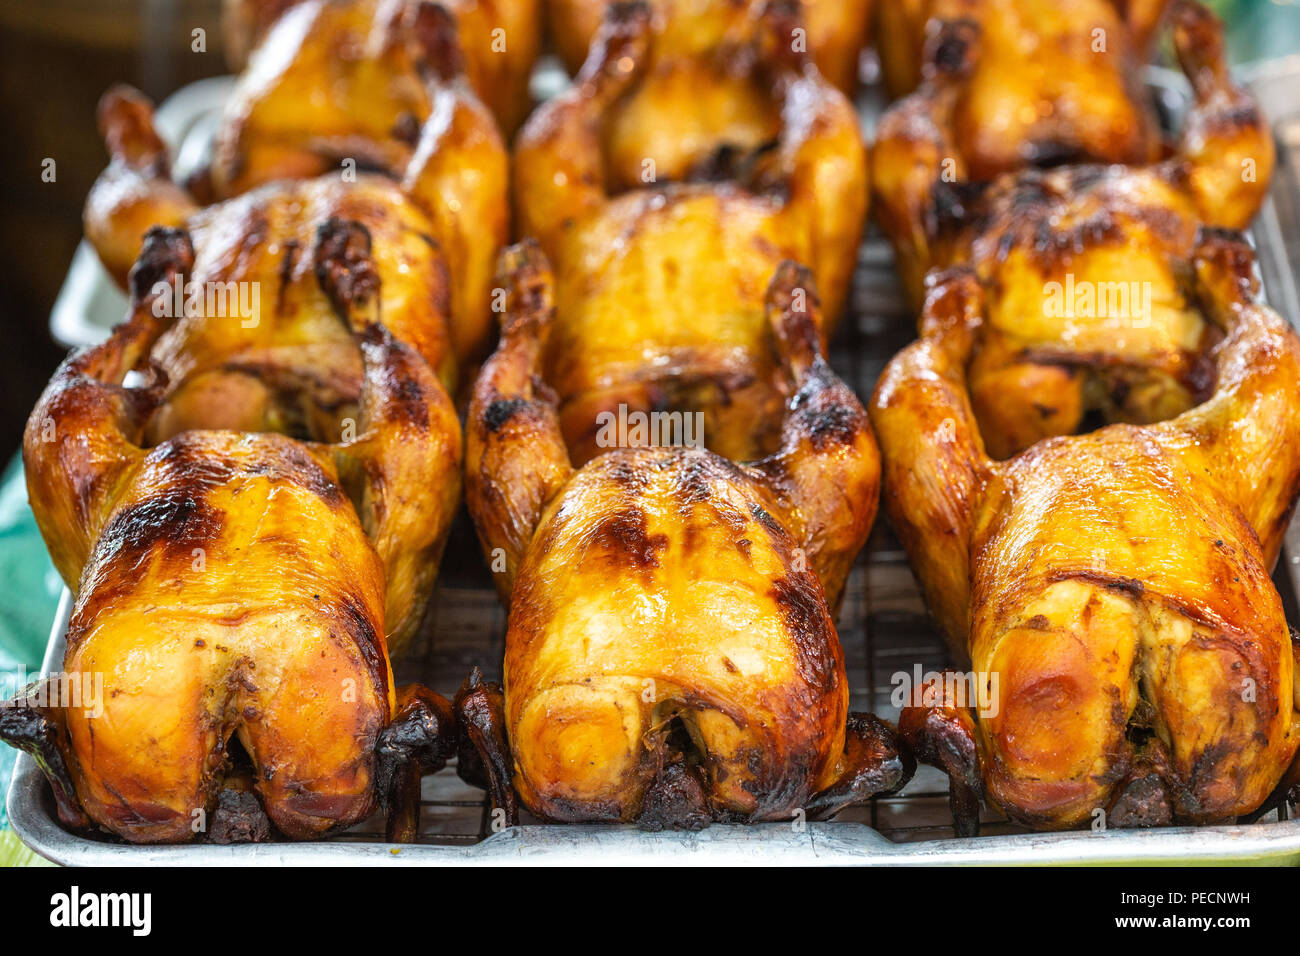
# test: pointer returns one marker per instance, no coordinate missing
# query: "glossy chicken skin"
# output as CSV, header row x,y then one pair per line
x,y
228,369
1117,584
225,586
387,92
666,186
1086,310
500,39
671,657
837,31
1052,81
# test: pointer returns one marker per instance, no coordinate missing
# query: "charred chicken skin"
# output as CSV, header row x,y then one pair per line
x,y
292,371
1052,80
836,30
226,588
1086,310
666,186
500,39
387,96
232,358
1117,584
671,657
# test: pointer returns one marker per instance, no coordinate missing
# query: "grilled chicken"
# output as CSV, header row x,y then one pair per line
x,y
1112,589
288,365
260,242
258,326
387,97
500,39
1051,81
666,187
671,657
836,31
1086,311
228,590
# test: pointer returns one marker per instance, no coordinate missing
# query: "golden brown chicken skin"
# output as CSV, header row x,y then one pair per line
x,y
1086,310
666,186
226,588
500,39
344,88
1051,81
260,347
671,657
264,325
836,30
1116,585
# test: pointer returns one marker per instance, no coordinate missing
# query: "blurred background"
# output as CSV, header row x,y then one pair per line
x,y
56,58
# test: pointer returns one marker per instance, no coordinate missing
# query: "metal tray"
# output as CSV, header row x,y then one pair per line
x,y
883,626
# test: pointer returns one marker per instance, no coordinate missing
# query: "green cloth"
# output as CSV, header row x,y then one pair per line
x,y
31,588
13,853
1259,29
29,597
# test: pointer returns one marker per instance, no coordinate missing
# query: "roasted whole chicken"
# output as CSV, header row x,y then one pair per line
x,y
500,39
1113,589
252,325
671,657
666,186
289,365
1050,81
228,593
1086,311
387,96
836,30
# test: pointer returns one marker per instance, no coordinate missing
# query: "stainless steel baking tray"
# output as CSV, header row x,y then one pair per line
x,y
883,626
